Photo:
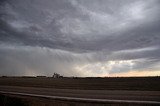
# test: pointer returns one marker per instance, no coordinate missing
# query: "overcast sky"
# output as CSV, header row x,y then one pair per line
x,y
80,37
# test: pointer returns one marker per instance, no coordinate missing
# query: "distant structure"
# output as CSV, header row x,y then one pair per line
x,y
55,75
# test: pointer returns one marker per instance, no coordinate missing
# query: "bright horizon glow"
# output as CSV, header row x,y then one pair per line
x,y
136,74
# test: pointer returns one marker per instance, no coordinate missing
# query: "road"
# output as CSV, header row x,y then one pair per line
x,y
149,97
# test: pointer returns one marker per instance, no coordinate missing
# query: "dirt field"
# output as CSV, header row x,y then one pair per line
x,y
33,96
94,94
31,101
133,88
131,83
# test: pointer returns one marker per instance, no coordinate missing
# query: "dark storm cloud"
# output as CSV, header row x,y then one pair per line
x,y
32,20
93,31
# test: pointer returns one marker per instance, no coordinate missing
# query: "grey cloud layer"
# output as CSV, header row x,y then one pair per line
x,y
95,29
26,60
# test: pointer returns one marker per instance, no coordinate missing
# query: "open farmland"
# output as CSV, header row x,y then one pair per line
x,y
117,83
119,91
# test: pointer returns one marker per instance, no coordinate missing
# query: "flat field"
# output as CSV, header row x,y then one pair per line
x,y
108,83
143,89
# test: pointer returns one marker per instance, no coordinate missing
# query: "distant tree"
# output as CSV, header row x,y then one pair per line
x,y
41,76
4,76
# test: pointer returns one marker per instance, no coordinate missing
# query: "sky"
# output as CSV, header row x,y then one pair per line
x,y
82,38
